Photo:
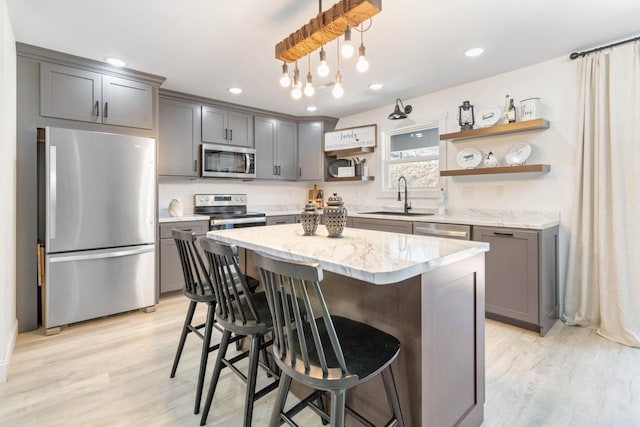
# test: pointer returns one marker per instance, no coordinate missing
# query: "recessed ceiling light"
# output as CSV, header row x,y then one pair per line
x,y
375,86
311,108
476,51
235,90
115,62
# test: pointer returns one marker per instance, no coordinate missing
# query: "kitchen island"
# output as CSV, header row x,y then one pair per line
x,y
428,292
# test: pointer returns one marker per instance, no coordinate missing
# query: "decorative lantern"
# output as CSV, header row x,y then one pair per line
x,y
466,119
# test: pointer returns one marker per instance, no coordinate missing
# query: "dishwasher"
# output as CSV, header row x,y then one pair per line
x,y
436,229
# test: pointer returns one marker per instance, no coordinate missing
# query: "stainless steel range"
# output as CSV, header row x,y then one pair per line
x,y
227,211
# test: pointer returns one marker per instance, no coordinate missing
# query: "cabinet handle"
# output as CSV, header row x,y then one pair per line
x,y
279,169
230,134
275,170
195,166
226,132
495,233
106,110
97,108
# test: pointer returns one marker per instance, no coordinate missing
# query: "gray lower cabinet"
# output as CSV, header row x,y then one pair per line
x,y
276,148
283,219
521,276
405,227
171,276
78,94
222,126
179,138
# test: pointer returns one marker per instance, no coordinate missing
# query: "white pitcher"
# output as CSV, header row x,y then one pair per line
x,y
176,208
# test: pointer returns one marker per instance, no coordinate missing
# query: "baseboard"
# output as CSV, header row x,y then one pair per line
x,y
6,360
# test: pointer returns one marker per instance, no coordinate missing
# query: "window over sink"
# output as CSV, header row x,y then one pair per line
x,y
413,152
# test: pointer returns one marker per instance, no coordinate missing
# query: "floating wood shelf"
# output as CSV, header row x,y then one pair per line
x,y
497,130
349,178
348,152
502,169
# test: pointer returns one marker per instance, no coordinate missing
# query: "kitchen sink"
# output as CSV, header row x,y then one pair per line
x,y
397,213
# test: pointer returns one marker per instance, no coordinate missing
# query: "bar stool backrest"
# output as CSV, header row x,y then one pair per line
x,y
298,347
196,279
235,304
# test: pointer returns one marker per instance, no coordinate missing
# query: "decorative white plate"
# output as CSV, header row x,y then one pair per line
x,y
488,116
518,154
469,158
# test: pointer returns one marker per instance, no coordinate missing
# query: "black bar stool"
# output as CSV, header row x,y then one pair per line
x,y
242,313
326,353
198,288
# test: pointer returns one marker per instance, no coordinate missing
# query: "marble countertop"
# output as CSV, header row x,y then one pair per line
x,y
373,256
487,217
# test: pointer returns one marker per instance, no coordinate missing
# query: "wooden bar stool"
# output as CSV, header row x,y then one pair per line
x,y
242,313
326,353
198,288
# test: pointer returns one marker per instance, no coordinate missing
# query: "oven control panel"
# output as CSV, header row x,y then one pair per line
x,y
220,199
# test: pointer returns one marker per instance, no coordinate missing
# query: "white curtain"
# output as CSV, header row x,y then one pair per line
x,y
603,276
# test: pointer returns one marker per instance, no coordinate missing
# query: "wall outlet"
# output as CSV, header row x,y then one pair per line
x,y
467,191
499,191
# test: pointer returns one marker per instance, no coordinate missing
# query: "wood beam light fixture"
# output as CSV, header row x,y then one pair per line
x,y
340,19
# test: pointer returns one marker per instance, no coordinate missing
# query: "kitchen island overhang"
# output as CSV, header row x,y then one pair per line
x,y
429,294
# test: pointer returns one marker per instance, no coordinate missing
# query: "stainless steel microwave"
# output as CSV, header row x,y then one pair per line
x,y
226,161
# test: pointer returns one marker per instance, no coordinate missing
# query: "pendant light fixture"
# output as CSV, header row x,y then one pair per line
x,y
296,93
308,88
347,47
362,65
338,91
285,81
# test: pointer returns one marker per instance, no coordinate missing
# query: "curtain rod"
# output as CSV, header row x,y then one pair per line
x,y
576,55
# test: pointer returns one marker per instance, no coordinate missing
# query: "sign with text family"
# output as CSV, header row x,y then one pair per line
x,y
342,139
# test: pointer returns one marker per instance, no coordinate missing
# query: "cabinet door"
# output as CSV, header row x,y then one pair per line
x,y
287,150
511,272
265,137
310,158
214,125
240,129
179,138
70,93
404,227
127,103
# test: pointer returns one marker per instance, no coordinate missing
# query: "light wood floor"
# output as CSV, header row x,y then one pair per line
x,y
115,372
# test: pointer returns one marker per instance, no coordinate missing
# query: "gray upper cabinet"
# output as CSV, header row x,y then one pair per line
x,y
276,148
222,126
310,153
179,138
78,94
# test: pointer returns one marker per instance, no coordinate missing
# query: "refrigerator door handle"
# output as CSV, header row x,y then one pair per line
x,y
109,254
52,192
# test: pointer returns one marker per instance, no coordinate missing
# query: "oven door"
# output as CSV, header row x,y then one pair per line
x,y
238,222
220,161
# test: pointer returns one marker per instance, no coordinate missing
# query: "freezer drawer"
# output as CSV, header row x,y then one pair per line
x,y
89,284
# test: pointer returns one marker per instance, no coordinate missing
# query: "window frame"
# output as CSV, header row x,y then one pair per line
x,y
429,193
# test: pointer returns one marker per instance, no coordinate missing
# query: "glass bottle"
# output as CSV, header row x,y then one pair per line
x,y
512,111
505,109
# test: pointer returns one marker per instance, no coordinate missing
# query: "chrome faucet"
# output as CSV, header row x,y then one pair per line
x,y
407,205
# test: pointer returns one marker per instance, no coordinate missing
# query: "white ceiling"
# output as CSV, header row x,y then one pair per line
x,y
414,47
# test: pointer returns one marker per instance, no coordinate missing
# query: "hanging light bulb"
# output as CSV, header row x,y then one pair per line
x,y
285,81
296,93
308,88
338,91
323,68
347,47
363,64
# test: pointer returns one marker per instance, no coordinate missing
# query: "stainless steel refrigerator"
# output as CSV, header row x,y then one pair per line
x,y
97,219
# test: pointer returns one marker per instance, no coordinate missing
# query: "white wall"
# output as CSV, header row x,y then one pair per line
x,y
8,322
555,82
